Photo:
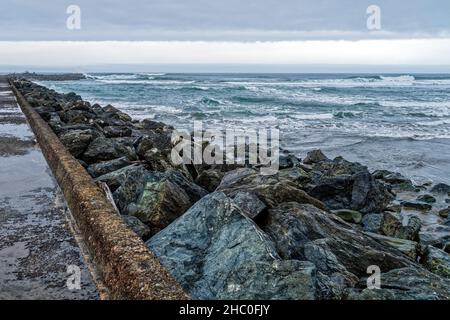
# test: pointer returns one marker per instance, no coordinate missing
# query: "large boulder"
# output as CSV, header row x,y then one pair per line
x,y
437,261
345,185
406,284
216,252
104,149
394,179
272,190
77,141
118,177
157,198
101,168
304,232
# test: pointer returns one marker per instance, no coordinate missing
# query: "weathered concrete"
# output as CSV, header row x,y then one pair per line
x,y
36,243
128,268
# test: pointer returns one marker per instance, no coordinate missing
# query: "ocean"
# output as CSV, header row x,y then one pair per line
x,y
399,122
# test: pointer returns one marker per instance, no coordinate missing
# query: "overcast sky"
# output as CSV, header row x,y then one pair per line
x,y
413,32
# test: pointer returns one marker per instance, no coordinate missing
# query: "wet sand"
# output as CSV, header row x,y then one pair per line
x,y
36,242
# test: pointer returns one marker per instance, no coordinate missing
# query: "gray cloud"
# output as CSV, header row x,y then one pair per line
x,y
240,20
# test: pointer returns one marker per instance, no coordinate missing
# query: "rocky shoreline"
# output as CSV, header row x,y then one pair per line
x,y
227,232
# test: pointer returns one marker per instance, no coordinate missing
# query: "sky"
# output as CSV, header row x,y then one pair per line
x,y
264,33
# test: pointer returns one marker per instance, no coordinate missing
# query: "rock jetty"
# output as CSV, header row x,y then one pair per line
x,y
311,231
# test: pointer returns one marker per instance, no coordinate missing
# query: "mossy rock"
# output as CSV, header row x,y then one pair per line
x,y
349,215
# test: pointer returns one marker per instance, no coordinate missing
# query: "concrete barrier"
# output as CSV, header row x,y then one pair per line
x,y
127,267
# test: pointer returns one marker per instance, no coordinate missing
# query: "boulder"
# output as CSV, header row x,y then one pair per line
x,y
101,168
209,179
117,131
104,149
394,179
373,222
416,205
160,203
157,161
411,230
436,236
441,188
113,112
315,156
391,224
437,261
272,190
249,204
137,226
77,141
408,247
76,116
344,185
304,232
406,284
216,252
154,140
118,177
297,175
444,212
157,198
349,215
287,161
427,198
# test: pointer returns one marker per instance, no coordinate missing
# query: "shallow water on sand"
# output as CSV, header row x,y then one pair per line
x,y
36,243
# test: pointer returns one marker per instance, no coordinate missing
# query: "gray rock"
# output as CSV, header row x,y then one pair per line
x,y
426,198
116,178
101,168
77,141
156,198
287,161
303,232
272,190
249,203
315,156
408,247
444,213
406,284
441,188
394,179
137,226
372,222
209,179
349,215
345,185
437,261
391,224
297,175
160,203
154,140
411,230
279,279
416,205
436,236
215,251
156,160
103,149
117,131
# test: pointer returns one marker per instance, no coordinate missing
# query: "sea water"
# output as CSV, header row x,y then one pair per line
x,y
399,122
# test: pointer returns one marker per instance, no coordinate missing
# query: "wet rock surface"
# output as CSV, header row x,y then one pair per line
x,y
226,231
36,242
